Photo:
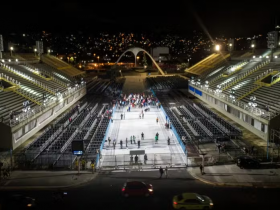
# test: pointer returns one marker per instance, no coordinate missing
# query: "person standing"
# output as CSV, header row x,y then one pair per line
x,y
138,144
131,139
166,171
131,160
126,142
145,159
121,116
121,143
109,139
161,171
134,139
157,120
219,147
201,167
136,159
142,136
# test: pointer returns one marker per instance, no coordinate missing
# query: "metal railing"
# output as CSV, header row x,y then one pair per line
x,y
23,116
254,110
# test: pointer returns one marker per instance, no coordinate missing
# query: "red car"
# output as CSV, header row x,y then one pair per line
x,y
136,188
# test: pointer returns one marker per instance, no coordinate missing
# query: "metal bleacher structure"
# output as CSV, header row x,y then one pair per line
x,y
194,123
33,93
87,122
245,89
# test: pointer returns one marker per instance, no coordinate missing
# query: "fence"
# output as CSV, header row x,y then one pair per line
x,y
154,160
67,160
173,160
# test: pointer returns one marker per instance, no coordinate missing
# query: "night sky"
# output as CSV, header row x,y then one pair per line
x,y
229,18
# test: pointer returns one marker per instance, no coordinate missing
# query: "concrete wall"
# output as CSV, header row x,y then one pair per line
x,y
253,124
17,135
6,136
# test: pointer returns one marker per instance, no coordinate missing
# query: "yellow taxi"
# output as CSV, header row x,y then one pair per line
x,y
192,201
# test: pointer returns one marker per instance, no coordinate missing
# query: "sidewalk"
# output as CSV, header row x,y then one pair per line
x,y
24,180
232,175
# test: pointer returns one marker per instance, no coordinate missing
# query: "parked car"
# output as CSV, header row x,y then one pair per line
x,y
137,188
19,201
247,162
192,201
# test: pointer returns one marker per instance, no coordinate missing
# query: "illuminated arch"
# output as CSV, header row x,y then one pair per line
x,y
135,51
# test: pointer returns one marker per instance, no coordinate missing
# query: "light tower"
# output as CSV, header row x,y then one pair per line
x,y
272,42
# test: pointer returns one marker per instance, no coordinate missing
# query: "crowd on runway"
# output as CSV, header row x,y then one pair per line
x,y
142,101
139,100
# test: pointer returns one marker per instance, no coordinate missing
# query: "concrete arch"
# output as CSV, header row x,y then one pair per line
x,y
135,51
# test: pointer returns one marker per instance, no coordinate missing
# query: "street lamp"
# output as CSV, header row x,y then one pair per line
x,y
137,60
232,97
252,103
35,50
206,84
98,60
11,48
217,48
192,80
253,47
218,90
49,51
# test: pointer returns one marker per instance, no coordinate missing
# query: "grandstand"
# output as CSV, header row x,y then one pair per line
x,y
246,90
61,66
32,94
213,61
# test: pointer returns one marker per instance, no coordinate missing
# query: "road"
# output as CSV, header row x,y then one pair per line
x,y
104,193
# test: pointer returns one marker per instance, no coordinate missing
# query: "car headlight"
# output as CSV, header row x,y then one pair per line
x,y
151,190
211,204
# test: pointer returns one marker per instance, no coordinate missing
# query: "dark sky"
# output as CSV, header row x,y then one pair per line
x,y
216,17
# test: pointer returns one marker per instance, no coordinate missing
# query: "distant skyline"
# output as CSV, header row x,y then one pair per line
x,y
231,19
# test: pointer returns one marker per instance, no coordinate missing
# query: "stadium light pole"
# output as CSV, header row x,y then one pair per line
x,y
217,48
11,48
253,48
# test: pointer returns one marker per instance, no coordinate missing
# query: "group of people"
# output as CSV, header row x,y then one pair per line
x,y
133,141
136,158
137,100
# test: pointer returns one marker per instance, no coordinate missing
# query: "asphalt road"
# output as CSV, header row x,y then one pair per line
x,y
104,192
